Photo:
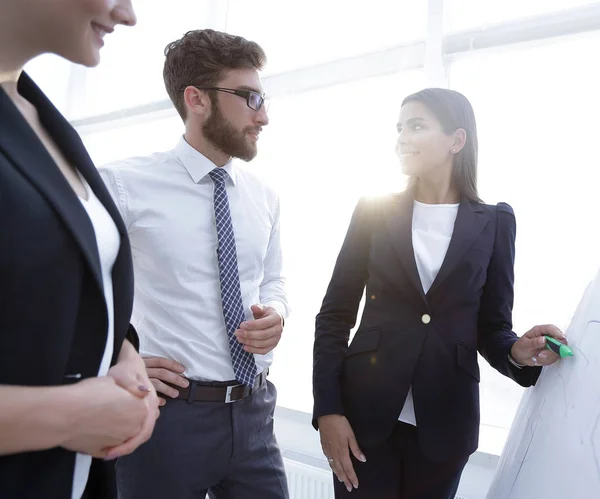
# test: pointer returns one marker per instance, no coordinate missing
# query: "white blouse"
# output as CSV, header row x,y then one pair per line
x,y
109,241
432,227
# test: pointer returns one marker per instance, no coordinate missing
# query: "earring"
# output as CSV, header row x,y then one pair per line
x,y
453,150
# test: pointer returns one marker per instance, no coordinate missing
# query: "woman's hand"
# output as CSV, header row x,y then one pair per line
x,y
130,374
337,437
530,349
102,415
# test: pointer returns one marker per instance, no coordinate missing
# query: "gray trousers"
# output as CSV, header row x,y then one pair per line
x,y
226,450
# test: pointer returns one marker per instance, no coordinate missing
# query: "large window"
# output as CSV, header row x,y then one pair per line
x,y
466,14
537,108
299,34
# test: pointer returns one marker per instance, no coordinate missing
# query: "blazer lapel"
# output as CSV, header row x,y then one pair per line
x,y
30,156
468,226
398,219
72,147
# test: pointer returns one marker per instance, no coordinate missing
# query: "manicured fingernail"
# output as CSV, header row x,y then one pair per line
x,y
363,459
543,355
348,488
542,340
186,383
143,388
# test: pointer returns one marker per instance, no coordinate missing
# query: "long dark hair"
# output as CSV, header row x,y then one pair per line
x,y
453,110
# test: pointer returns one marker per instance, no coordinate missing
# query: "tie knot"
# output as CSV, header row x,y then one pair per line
x,y
218,175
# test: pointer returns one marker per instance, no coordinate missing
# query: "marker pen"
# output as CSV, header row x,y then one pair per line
x,y
557,347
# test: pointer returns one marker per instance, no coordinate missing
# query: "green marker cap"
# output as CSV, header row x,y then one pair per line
x,y
566,351
557,347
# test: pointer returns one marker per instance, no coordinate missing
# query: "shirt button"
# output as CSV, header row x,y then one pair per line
x,y
373,297
426,319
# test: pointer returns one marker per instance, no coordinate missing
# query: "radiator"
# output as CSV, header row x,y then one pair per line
x,y
308,477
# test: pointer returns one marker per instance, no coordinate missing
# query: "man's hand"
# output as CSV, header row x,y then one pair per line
x,y
262,334
530,349
159,370
337,440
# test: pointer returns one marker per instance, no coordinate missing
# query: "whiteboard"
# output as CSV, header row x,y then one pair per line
x,y
553,448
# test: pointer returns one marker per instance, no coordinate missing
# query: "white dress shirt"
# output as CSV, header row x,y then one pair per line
x,y
166,201
432,227
109,241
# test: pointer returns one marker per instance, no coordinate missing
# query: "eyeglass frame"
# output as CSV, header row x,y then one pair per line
x,y
240,93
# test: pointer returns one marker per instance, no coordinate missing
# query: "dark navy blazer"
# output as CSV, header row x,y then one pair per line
x,y
408,338
53,317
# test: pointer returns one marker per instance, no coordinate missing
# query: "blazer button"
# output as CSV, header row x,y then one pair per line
x,y
426,319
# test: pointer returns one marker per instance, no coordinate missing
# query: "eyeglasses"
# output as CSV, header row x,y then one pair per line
x,y
253,99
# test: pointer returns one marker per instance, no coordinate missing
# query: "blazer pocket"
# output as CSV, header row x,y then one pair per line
x,y
466,359
364,341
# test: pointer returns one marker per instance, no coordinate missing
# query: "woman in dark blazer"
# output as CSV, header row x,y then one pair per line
x,y
66,280
398,408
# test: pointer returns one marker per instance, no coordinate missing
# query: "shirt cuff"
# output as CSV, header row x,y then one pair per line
x,y
279,308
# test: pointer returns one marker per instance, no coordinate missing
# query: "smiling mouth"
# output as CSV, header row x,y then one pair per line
x,y
408,154
100,30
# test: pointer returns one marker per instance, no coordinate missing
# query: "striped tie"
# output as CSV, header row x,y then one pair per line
x,y
243,363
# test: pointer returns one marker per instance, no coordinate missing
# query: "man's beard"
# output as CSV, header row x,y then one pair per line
x,y
221,133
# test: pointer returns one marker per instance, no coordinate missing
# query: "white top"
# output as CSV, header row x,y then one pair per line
x,y
109,241
166,200
432,227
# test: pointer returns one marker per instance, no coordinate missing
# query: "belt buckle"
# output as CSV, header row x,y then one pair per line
x,y
228,394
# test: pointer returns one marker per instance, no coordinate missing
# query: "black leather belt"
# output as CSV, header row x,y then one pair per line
x,y
218,391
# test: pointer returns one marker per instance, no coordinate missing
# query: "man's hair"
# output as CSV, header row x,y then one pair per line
x,y
202,57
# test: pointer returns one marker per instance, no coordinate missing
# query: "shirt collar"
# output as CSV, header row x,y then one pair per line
x,y
198,165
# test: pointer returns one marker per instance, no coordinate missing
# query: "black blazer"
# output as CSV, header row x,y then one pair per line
x,y
406,337
53,318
